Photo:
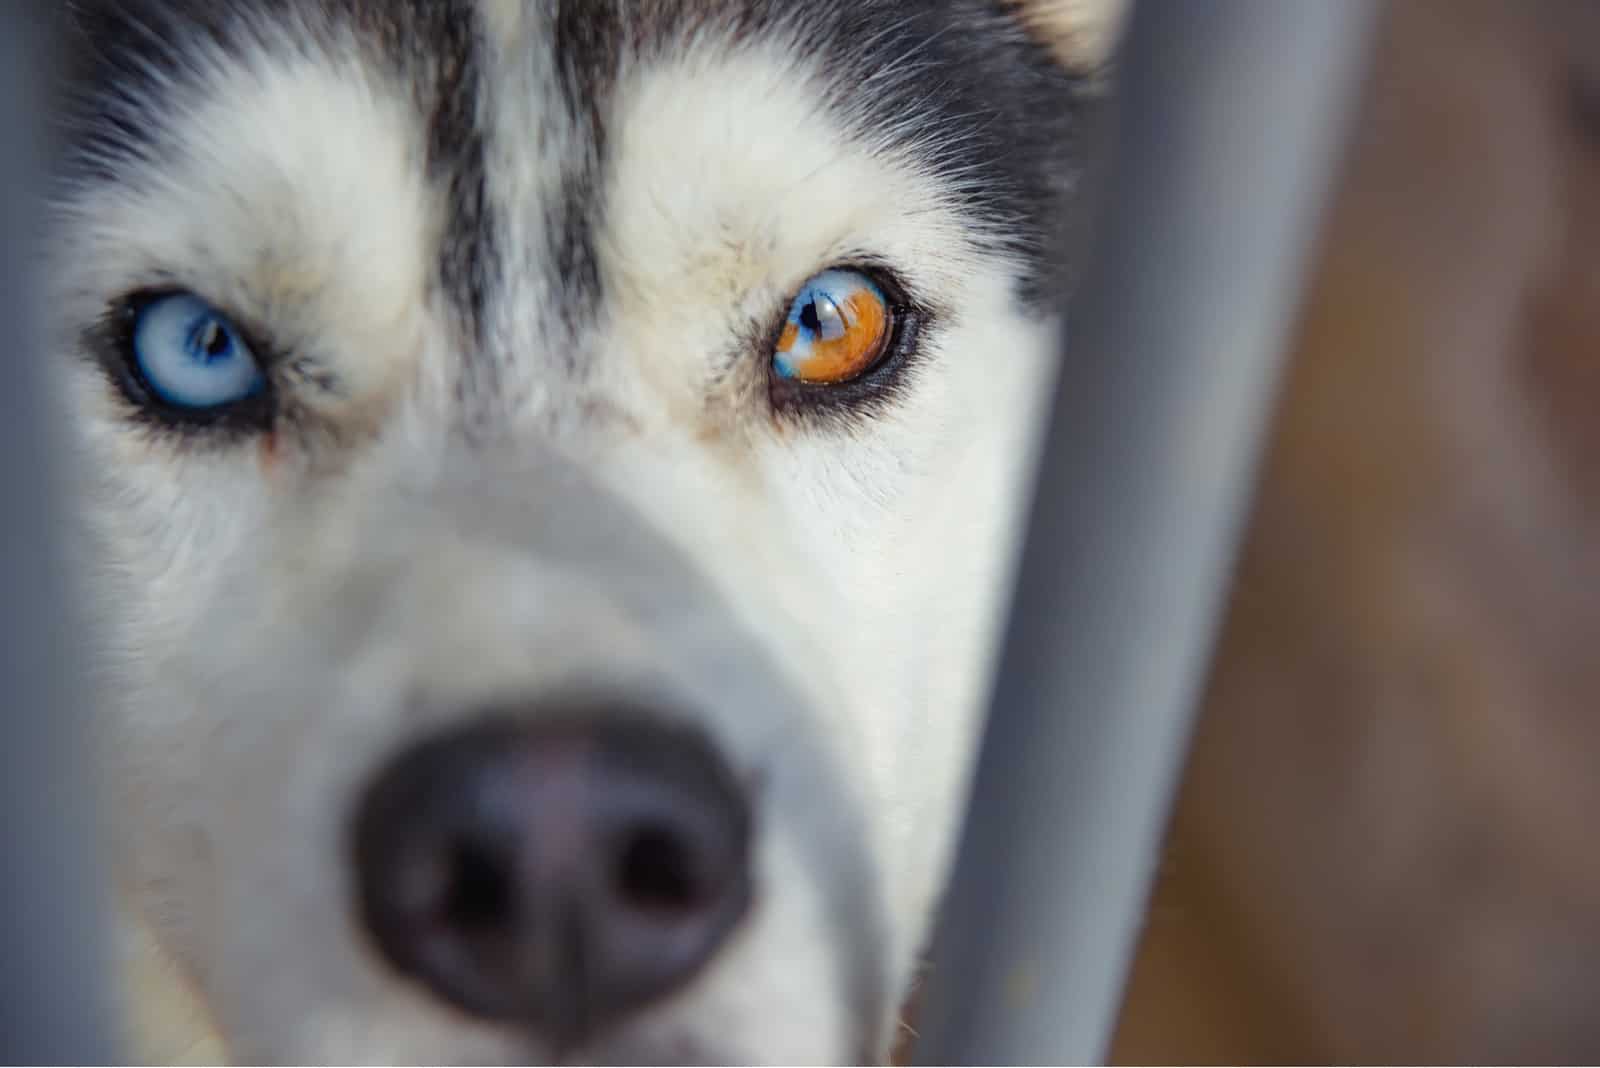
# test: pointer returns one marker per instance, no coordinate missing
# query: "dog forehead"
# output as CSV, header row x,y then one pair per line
x,y
958,89
513,107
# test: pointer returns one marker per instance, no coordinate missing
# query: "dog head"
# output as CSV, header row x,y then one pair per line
x,y
552,470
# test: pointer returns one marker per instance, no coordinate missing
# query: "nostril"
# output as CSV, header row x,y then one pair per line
x,y
657,872
479,896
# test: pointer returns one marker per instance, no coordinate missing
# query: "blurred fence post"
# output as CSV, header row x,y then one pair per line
x,y
55,1005
1229,125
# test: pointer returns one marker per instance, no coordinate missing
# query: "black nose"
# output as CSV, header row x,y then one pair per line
x,y
554,874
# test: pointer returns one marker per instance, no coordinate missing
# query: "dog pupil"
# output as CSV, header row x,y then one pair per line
x,y
213,340
809,318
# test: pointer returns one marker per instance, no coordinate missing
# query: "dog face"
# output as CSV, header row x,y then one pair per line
x,y
551,471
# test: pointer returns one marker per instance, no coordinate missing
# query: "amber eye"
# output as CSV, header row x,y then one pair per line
x,y
838,329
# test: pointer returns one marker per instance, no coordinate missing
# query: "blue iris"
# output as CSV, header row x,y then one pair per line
x,y
191,356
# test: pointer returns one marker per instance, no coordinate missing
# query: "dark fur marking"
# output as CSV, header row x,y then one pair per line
x,y
589,43
456,154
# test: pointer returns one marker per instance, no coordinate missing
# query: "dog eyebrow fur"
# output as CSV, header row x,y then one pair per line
x,y
976,95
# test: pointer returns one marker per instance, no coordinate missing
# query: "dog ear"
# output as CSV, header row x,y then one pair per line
x,y
1081,33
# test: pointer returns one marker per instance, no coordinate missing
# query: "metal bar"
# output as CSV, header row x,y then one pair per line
x,y
1229,123
54,1003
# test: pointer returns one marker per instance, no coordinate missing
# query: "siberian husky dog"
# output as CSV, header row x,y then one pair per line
x,y
550,472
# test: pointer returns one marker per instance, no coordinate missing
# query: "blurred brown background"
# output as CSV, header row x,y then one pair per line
x,y
1384,850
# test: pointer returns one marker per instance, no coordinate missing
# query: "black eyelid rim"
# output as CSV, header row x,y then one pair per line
x,y
111,340
909,316
130,305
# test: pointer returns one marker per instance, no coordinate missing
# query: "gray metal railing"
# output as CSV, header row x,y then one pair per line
x,y
1230,117
54,997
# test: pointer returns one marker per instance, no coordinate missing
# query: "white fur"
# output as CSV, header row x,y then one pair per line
x,y
869,562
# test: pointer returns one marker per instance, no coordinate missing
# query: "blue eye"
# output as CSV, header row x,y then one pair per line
x,y
191,357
